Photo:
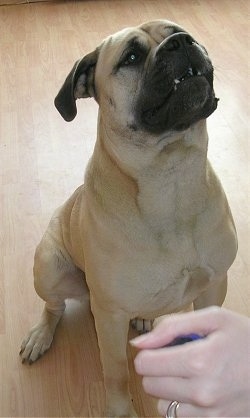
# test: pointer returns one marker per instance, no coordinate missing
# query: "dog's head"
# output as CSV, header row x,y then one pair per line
x,y
154,78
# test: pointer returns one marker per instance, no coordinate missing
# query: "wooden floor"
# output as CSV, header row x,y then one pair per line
x,y
42,160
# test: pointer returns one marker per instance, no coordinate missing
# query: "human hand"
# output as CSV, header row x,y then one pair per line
x,y
209,377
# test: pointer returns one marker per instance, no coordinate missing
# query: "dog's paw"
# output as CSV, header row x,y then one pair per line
x,y
128,414
119,404
36,343
142,325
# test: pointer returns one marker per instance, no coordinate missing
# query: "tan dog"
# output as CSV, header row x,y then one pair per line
x,y
151,227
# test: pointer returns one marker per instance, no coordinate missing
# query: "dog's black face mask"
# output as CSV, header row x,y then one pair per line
x,y
177,89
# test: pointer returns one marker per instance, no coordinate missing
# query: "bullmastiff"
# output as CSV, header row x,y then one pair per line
x,y
150,230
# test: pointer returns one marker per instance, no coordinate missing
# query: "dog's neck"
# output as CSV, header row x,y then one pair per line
x,y
167,180
170,152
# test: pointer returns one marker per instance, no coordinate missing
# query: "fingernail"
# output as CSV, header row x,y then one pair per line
x,y
136,341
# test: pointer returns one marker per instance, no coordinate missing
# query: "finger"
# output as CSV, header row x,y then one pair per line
x,y
180,361
202,322
163,405
185,410
169,388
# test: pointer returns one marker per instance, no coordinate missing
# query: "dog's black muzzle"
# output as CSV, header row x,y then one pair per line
x,y
178,86
180,53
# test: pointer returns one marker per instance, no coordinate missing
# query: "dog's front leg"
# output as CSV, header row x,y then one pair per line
x,y
112,333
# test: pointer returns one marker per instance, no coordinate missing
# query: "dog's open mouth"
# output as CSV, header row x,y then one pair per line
x,y
191,72
189,98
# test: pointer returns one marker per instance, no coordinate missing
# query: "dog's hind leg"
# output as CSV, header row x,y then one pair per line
x,y
56,278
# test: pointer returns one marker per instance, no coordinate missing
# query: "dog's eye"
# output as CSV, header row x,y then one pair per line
x,y
131,58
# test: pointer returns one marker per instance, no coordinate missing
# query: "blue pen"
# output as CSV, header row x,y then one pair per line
x,y
183,339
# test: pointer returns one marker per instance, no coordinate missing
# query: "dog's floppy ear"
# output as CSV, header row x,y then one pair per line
x,y
79,83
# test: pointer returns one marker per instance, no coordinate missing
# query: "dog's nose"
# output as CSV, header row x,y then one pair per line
x,y
176,43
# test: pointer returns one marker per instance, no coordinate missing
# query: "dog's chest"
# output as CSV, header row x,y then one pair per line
x,y
147,269
151,243
168,256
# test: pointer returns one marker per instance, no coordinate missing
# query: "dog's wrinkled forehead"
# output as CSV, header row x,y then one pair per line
x,y
158,30
149,34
